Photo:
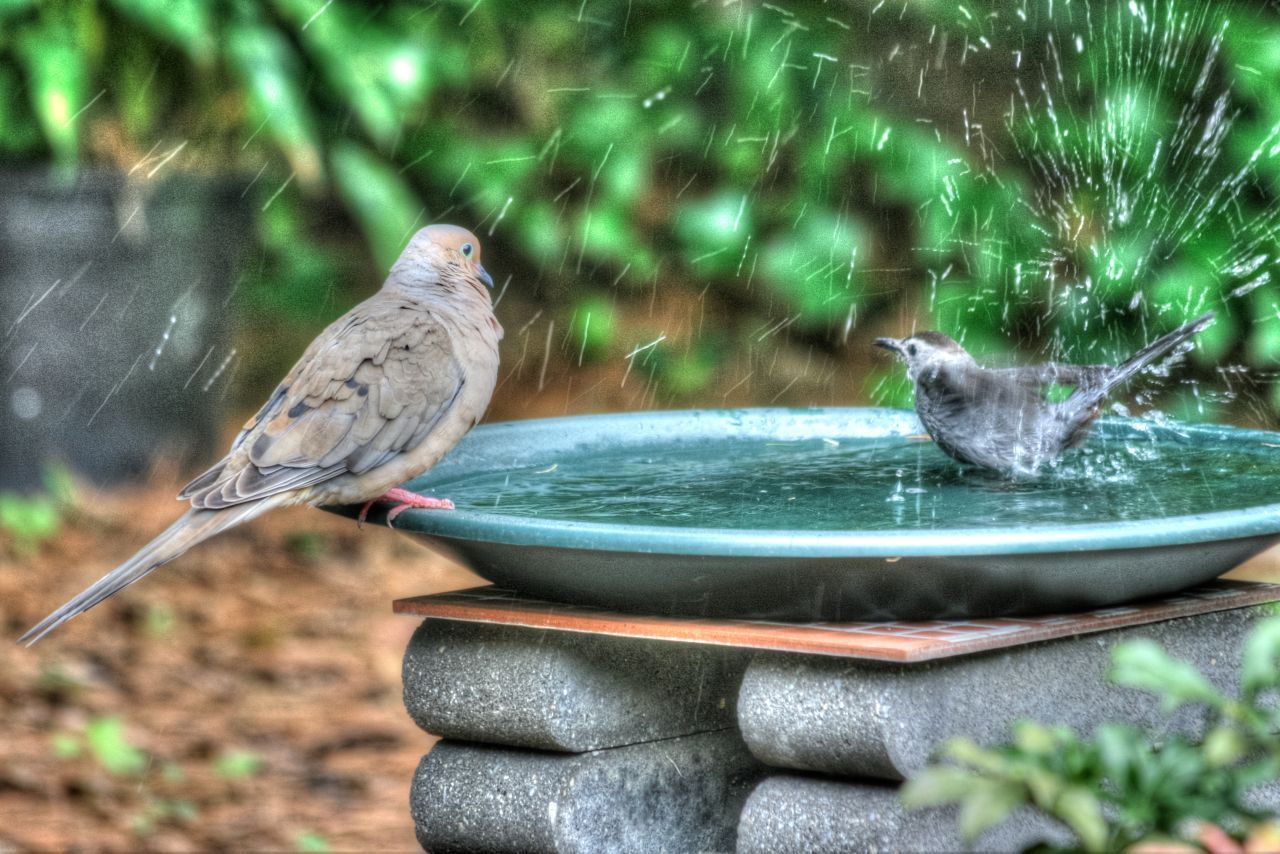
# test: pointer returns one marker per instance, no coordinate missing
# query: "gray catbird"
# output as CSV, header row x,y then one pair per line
x,y
1001,418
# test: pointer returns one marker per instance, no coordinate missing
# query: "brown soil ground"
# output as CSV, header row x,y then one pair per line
x,y
276,639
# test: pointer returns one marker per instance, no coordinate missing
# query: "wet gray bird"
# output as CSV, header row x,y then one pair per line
x,y
1001,418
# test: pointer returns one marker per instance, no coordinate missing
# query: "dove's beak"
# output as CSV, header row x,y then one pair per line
x,y
893,345
483,275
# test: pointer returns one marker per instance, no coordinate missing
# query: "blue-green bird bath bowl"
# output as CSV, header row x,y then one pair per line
x,y
843,514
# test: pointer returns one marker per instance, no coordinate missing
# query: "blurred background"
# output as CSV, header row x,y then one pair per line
x,y
706,204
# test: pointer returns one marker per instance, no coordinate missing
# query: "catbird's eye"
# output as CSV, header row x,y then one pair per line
x,y
466,250
911,349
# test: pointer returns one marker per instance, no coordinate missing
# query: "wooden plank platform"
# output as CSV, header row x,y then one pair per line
x,y
892,642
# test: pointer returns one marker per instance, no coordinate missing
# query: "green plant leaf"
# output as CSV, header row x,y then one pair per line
x,y
1034,738
1081,810
108,744
987,804
312,843
1144,664
1224,746
270,74
57,79
384,205
65,745
29,520
1260,663
937,785
238,764
186,23
593,328
348,52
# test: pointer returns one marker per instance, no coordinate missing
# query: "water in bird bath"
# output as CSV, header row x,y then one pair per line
x,y
1129,471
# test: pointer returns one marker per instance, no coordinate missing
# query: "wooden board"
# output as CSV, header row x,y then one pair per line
x,y
895,642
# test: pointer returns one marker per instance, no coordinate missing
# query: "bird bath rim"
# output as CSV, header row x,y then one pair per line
x,y
565,434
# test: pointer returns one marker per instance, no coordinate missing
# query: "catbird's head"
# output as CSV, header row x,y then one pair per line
x,y
924,351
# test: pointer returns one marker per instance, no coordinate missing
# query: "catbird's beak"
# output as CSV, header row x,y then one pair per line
x,y
483,275
890,344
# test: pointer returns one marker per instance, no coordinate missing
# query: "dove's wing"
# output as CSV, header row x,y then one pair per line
x,y
373,385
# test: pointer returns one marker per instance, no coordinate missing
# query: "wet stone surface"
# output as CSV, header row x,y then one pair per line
x,y
672,795
811,815
565,691
860,719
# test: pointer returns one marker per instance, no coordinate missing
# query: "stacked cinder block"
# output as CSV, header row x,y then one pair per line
x,y
556,741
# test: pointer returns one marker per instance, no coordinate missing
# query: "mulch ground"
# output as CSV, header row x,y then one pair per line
x,y
245,697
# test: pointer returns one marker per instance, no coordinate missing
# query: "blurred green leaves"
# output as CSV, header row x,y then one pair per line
x,y
382,202
763,153
270,76
54,63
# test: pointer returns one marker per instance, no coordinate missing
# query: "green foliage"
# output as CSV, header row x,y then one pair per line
x,y
594,327
65,745
105,738
28,520
162,785
312,843
238,764
798,162
1124,785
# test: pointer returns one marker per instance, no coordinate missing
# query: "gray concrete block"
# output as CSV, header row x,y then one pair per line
x,y
857,719
674,795
803,815
564,690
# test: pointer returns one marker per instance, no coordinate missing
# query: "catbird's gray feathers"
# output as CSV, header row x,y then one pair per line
x,y
1001,419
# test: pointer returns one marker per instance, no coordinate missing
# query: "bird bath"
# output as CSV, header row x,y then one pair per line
x,y
843,514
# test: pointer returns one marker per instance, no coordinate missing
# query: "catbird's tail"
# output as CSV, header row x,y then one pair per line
x,y
192,527
1139,360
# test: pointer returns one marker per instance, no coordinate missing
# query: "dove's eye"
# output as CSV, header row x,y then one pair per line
x,y
466,250
911,349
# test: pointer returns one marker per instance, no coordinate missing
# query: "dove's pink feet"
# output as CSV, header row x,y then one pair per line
x,y
404,499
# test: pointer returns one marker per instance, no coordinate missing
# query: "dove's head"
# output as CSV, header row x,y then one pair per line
x,y
441,255
924,351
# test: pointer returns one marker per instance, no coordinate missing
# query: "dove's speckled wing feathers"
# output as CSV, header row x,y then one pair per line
x,y
369,387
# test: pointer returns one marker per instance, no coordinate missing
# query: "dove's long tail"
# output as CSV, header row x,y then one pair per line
x,y
1089,397
192,527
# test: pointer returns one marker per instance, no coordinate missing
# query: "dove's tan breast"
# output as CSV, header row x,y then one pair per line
x,y
437,389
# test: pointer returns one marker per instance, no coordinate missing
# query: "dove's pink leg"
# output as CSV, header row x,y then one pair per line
x,y
404,499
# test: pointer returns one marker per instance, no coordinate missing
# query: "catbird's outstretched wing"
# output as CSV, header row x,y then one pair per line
x,y
1039,377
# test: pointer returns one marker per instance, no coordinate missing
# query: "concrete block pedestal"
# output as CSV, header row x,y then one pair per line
x,y
568,741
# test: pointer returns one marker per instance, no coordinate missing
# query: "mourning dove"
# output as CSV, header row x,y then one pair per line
x,y
378,398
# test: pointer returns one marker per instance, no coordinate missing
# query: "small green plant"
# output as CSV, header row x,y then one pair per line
x,y
106,740
28,520
164,797
238,764
1122,785
312,843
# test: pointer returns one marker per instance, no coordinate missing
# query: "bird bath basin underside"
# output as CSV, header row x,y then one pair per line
x,y
843,514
